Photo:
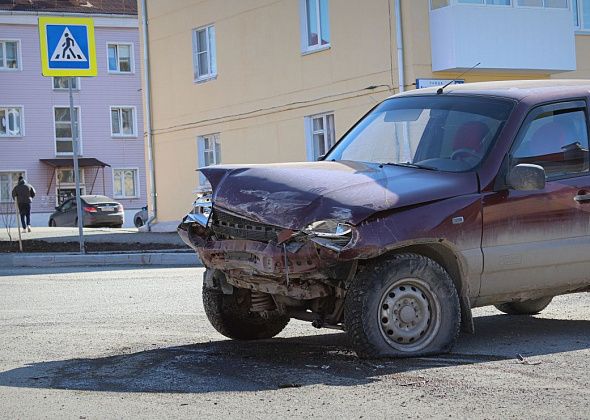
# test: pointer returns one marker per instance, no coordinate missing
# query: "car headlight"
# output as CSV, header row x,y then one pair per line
x,y
329,229
331,234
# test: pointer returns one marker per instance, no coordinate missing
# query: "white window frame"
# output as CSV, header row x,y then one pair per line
x,y
76,89
136,180
12,171
80,143
513,3
210,35
305,47
22,122
203,183
70,184
19,55
310,132
134,116
131,57
579,25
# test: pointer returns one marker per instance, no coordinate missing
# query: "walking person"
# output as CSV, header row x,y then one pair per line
x,y
24,193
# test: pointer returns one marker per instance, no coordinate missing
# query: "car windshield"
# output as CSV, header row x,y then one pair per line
x,y
445,132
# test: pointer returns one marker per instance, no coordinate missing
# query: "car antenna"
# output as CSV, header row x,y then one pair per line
x,y
440,90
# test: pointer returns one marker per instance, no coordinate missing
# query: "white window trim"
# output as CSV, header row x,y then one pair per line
x,y
579,29
69,184
131,57
19,54
80,143
211,75
22,123
78,81
137,182
514,3
11,171
203,184
305,48
120,135
308,124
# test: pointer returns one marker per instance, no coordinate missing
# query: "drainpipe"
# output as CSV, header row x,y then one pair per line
x,y
399,40
148,116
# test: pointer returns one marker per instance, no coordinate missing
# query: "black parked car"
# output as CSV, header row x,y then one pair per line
x,y
97,210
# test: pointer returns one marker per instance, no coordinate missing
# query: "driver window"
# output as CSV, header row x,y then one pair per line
x,y
67,205
555,140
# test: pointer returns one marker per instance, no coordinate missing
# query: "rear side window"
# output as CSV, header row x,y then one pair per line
x,y
556,139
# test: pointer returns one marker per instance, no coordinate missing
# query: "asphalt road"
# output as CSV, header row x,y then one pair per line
x,y
134,343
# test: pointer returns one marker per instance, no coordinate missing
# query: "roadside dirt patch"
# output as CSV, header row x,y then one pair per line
x,y
34,245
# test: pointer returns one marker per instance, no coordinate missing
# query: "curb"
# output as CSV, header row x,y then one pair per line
x,y
63,259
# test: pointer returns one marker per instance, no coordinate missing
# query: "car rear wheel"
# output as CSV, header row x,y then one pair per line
x,y
527,307
230,315
52,223
402,307
138,222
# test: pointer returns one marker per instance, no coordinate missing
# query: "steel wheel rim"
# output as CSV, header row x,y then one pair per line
x,y
409,315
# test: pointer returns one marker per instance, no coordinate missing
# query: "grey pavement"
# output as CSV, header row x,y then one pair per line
x,y
127,342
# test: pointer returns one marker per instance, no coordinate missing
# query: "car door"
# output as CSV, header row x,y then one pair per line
x,y
539,240
60,215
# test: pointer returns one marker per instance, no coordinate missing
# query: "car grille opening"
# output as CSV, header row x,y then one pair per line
x,y
228,226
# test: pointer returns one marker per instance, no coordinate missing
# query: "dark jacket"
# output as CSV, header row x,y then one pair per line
x,y
23,192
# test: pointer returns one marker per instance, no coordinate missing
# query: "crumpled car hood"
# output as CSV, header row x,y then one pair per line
x,y
293,195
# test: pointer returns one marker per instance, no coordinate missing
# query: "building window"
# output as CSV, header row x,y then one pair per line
x,y
581,9
11,122
552,4
63,83
8,181
125,183
209,149
488,2
66,176
320,135
437,4
123,121
63,130
120,58
204,53
315,25
9,55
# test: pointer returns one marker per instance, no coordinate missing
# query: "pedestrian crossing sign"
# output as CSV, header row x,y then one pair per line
x,y
67,46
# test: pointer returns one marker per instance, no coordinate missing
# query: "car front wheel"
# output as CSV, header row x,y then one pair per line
x,y
404,306
230,315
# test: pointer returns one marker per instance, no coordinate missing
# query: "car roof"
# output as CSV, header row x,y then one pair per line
x,y
514,89
92,199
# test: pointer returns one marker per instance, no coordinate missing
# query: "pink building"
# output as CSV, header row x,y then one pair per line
x,y
35,135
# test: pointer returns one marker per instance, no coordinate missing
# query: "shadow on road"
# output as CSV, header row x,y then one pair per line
x,y
293,362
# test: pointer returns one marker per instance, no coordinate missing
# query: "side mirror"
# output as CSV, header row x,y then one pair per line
x,y
526,177
57,208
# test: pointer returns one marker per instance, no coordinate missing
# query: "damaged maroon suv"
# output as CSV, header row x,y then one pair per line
x,y
434,203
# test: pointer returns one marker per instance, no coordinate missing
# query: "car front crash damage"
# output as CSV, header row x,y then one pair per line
x,y
298,273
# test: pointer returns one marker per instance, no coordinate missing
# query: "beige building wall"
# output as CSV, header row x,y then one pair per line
x,y
265,86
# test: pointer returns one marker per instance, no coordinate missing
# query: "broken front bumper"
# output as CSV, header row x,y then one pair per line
x,y
265,258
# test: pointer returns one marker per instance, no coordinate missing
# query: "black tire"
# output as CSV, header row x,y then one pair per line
x,y
407,289
138,222
119,226
52,223
230,315
527,307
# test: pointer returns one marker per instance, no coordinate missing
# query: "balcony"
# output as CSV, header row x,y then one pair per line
x,y
502,37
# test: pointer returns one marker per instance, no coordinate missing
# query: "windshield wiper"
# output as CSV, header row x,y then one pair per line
x,y
412,165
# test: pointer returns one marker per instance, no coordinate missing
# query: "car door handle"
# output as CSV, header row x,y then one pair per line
x,y
582,198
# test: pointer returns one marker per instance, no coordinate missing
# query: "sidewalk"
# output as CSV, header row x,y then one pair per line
x,y
47,246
